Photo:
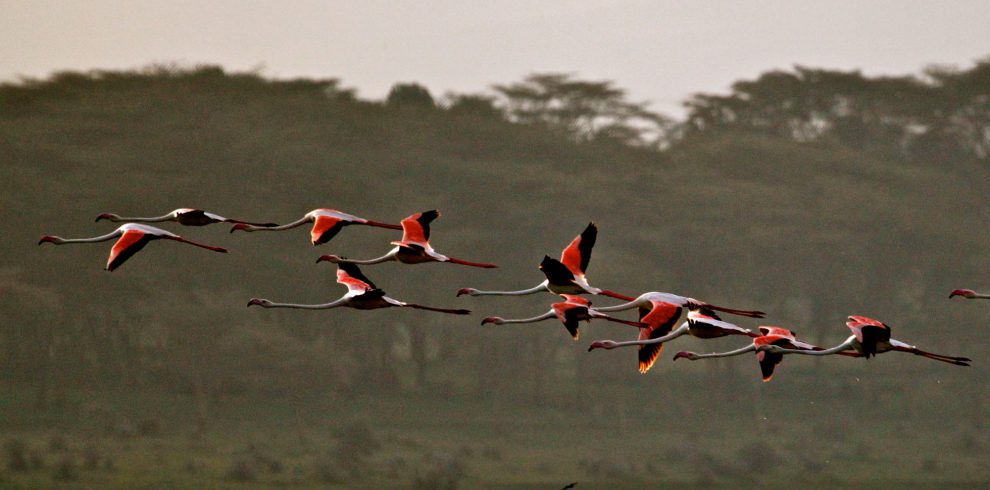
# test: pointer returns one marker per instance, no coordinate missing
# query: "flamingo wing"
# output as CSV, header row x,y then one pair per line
x,y
416,228
705,324
557,273
577,255
661,318
571,315
869,333
777,331
196,217
325,228
129,243
350,276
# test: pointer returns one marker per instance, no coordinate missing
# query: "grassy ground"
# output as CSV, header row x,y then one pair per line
x,y
441,442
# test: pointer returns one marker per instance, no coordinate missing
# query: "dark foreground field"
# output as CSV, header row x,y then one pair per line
x,y
437,441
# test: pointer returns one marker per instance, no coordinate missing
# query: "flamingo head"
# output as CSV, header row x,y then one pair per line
x,y
601,344
242,227
50,238
467,291
685,355
328,258
109,216
493,319
965,293
264,303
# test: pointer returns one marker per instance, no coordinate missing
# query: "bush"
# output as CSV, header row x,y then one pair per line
x,y
16,453
65,469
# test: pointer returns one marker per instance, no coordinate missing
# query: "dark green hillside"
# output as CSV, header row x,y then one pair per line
x,y
808,230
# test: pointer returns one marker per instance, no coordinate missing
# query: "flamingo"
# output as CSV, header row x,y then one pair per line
x,y
768,360
414,248
183,216
133,237
968,294
661,312
564,276
701,322
326,224
870,337
362,294
570,311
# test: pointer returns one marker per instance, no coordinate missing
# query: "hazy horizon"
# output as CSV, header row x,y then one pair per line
x,y
660,52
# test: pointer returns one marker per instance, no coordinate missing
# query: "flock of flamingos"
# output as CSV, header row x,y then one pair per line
x,y
658,312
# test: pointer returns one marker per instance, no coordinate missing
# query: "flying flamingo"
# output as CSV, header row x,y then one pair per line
x,y
768,360
133,237
701,322
870,337
414,248
661,312
183,216
564,276
968,294
326,224
570,311
361,294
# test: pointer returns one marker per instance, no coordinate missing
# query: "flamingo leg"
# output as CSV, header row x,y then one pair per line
x,y
472,264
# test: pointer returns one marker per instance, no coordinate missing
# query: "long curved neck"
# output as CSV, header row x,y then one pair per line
x,y
299,222
324,306
834,350
621,307
539,318
535,289
681,330
384,258
602,316
157,219
743,350
101,238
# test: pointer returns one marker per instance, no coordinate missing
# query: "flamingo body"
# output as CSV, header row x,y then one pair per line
x,y
131,238
701,323
413,248
362,294
870,337
968,294
326,224
766,359
183,216
564,276
573,310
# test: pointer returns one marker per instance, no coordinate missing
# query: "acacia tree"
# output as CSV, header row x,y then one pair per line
x,y
584,110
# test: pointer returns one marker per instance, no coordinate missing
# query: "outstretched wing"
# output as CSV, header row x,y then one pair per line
x,y
325,228
416,228
661,318
868,332
129,243
350,276
577,255
557,273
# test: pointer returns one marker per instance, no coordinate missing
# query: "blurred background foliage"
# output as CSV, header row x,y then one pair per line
x,y
811,194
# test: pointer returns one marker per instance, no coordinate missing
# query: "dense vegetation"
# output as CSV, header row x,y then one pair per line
x,y
810,194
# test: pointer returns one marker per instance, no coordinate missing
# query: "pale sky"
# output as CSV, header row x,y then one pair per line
x,y
659,51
